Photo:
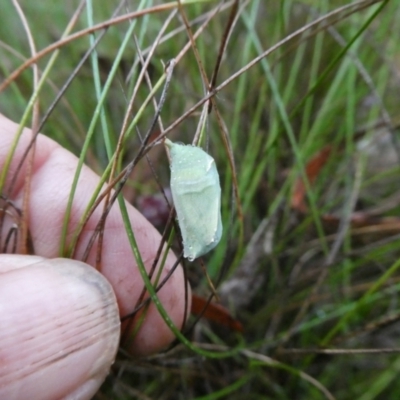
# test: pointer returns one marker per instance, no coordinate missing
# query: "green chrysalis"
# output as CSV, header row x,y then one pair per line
x,y
197,198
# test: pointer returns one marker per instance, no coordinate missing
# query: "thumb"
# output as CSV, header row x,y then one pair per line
x,y
59,328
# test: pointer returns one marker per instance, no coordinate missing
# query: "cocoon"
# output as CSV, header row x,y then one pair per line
x,y
196,192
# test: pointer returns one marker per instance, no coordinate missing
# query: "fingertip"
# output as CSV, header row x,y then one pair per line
x,y
60,329
154,334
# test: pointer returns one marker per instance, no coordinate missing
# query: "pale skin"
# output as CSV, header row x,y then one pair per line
x,y
60,318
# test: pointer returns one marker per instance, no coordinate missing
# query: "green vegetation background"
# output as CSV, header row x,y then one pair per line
x,y
318,279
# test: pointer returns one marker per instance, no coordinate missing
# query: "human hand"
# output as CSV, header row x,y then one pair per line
x,y
59,318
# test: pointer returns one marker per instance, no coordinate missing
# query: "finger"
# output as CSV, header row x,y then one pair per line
x,y
54,168
59,328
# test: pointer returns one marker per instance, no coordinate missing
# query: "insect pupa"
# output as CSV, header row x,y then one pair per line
x,y
196,192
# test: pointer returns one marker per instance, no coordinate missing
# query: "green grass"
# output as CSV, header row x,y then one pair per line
x,y
319,296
